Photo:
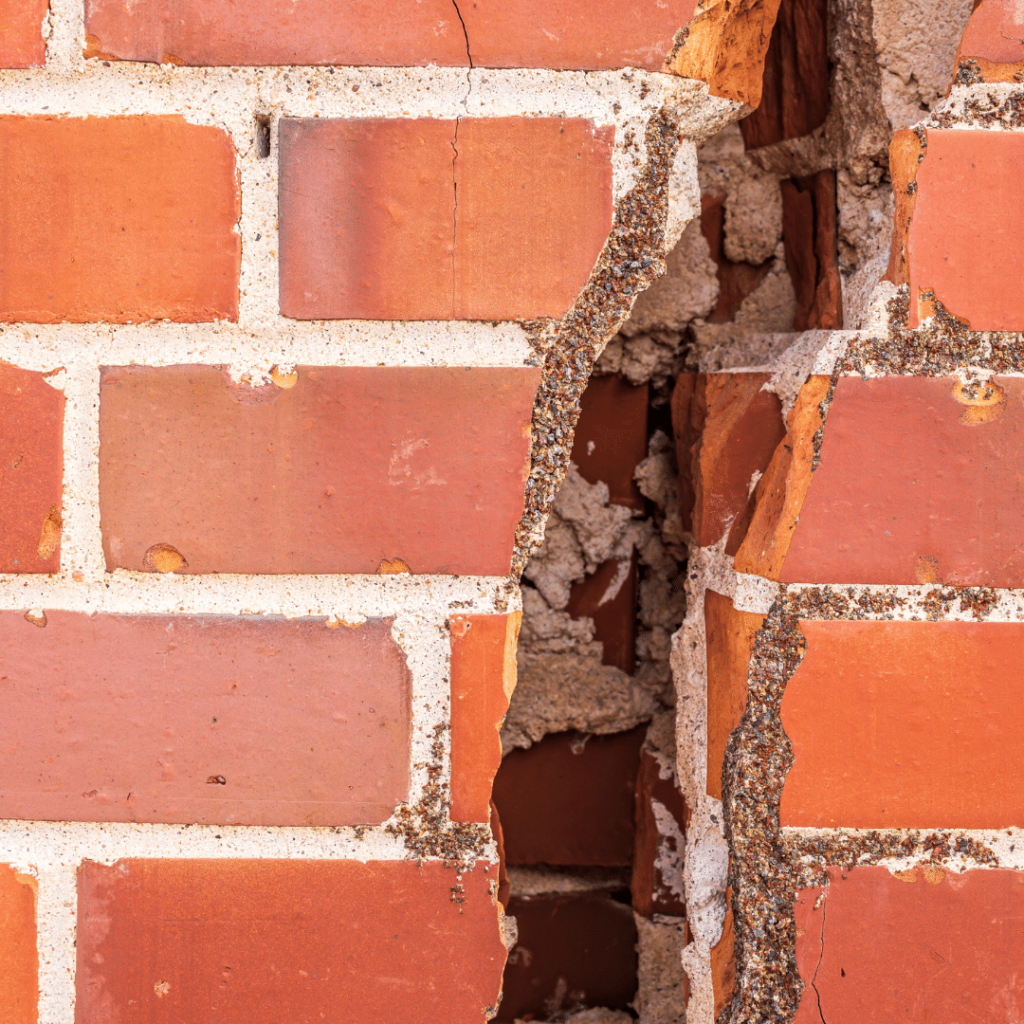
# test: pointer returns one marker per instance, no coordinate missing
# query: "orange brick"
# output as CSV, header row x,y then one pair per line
x,y
966,239
922,945
377,221
994,40
119,219
31,471
730,640
351,470
21,33
483,676
562,34
919,482
723,961
258,941
214,719
19,960
906,725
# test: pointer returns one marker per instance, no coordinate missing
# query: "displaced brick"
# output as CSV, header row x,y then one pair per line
x,y
993,41
575,950
922,945
905,725
31,471
422,219
253,32
966,239
247,941
570,799
656,886
121,219
917,484
212,719
568,34
350,469
779,494
611,437
19,959
483,676
730,642
795,90
21,33
608,598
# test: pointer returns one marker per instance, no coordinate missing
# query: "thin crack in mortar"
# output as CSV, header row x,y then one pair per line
x,y
767,867
632,258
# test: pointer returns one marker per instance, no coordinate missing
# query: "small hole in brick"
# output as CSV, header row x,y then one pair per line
x,y
262,136
216,780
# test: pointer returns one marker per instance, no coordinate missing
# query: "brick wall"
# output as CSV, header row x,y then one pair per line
x,y
298,303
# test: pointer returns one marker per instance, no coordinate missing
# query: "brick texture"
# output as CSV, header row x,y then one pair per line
x,y
255,721
483,674
920,481
993,41
21,33
966,239
920,945
564,34
255,942
120,219
31,471
656,885
428,219
349,468
19,960
906,725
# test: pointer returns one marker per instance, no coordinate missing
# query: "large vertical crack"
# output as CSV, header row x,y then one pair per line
x,y
821,956
464,32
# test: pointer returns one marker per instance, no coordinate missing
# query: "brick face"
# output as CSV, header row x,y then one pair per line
x,y
21,33
430,220
120,219
565,34
916,484
255,942
905,725
349,468
254,721
483,674
19,961
920,945
31,471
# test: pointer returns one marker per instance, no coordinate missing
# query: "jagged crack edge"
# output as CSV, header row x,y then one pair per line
x,y
465,33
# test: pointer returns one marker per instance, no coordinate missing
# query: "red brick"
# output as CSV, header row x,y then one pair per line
x,y
575,950
920,946
919,482
611,437
723,961
483,676
906,725
348,469
367,218
252,721
994,40
570,799
730,641
661,821
608,598
565,34
19,960
258,941
241,32
31,471
21,33
966,240
119,219
374,226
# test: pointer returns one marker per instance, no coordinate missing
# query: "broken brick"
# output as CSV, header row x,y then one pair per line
x,y
483,676
919,945
905,725
570,799
247,941
212,719
31,471
349,471
19,959
119,219
915,485
608,598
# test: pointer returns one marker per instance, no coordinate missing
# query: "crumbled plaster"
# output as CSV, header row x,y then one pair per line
x,y
540,881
